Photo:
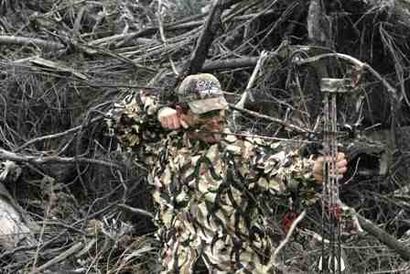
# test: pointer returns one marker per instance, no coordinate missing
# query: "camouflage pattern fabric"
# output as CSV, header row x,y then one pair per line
x,y
213,200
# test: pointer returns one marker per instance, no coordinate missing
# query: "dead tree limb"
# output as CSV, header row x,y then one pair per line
x,y
71,251
356,62
246,93
212,24
8,155
26,41
317,30
384,237
255,72
230,64
284,242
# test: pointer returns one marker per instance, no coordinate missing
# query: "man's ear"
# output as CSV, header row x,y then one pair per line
x,y
179,110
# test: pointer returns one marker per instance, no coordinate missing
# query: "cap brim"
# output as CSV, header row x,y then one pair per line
x,y
210,104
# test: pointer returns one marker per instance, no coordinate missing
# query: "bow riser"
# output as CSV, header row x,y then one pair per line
x,y
331,209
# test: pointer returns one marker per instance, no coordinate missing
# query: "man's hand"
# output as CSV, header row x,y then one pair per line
x,y
170,119
341,165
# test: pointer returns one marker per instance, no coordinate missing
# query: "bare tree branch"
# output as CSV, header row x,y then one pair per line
x,y
354,61
384,237
56,135
272,119
230,63
212,24
18,40
8,155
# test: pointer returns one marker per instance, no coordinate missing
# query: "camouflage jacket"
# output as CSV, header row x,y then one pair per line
x,y
214,201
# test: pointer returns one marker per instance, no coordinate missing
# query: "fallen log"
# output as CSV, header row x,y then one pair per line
x,y
15,230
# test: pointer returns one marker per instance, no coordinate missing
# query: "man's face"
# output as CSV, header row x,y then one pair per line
x,y
209,125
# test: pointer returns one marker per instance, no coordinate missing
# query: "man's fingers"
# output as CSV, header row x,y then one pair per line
x,y
168,117
171,123
341,163
342,170
162,120
175,123
183,123
340,166
166,123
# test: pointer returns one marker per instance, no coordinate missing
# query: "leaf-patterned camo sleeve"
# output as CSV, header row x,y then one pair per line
x,y
284,170
133,120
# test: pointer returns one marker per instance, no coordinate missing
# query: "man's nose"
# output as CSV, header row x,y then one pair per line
x,y
215,121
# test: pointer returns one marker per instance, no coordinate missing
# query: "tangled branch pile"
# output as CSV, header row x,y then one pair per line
x,y
64,63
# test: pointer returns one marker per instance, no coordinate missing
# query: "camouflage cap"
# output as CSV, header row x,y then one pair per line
x,y
202,92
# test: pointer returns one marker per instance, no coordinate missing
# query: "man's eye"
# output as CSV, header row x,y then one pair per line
x,y
210,114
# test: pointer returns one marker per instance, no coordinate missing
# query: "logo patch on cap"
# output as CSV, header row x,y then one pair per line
x,y
207,89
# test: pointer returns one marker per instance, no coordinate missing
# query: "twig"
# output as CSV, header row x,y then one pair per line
x,y
163,38
137,210
56,135
124,185
123,58
252,79
86,248
40,238
287,238
60,257
77,23
55,66
272,119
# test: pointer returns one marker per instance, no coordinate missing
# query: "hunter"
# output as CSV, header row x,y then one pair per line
x,y
214,191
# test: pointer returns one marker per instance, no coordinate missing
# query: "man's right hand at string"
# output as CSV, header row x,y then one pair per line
x,y
169,118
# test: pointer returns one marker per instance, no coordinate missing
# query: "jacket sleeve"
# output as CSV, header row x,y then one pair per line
x,y
282,170
133,120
